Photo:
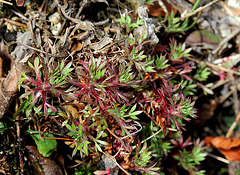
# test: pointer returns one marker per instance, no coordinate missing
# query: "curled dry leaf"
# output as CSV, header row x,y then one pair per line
x,y
229,147
156,9
20,2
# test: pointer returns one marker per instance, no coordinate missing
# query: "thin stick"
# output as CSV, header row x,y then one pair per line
x,y
145,112
219,158
33,48
16,23
117,138
230,131
198,10
228,38
6,2
156,133
110,157
215,66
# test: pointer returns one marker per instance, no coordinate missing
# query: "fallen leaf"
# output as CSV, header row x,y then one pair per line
x,y
232,154
21,52
224,143
200,36
20,2
155,9
229,147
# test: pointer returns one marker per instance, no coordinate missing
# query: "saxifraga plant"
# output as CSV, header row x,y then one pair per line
x,y
50,80
116,92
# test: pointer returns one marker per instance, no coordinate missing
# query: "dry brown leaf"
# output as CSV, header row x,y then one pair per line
x,y
21,52
229,147
99,45
155,9
20,2
232,154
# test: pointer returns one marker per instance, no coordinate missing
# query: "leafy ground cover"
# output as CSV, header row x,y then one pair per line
x,y
119,87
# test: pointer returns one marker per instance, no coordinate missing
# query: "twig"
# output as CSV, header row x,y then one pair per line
x,y
150,117
225,97
235,98
19,14
101,22
215,66
220,83
110,157
233,34
230,131
219,158
64,14
81,8
198,10
19,138
110,45
236,110
156,133
6,2
32,48
117,137
15,23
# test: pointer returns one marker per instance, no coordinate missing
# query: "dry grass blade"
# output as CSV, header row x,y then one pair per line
x,y
6,2
198,10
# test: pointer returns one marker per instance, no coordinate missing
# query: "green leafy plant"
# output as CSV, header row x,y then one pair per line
x,y
80,139
178,51
45,146
202,73
129,24
189,159
103,102
51,79
189,88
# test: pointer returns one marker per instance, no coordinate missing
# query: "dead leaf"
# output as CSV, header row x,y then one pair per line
x,y
76,47
232,154
155,9
229,147
99,45
200,36
20,2
21,52
224,143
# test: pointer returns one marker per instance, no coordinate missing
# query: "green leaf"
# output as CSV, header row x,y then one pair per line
x,y
67,69
30,65
102,142
45,146
134,25
136,113
133,108
133,117
128,19
98,147
2,127
23,106
112,111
